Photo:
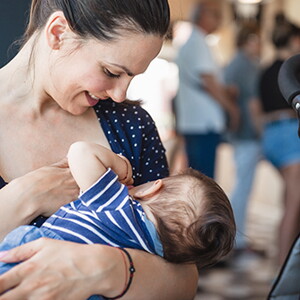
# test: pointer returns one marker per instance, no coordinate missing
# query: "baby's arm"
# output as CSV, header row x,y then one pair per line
x,y
89,161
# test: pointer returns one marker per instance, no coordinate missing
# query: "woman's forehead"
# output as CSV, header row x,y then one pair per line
x,y
132,52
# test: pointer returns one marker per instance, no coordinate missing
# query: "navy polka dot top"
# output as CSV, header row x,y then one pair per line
x,y
131,132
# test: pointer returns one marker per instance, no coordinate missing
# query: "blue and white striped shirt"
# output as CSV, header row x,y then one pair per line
x,y
106,214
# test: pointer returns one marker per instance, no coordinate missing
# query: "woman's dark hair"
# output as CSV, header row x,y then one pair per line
x,y
102,19
283,31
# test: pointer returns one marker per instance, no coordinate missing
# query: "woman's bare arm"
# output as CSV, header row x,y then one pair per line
x,y
158,279
78,271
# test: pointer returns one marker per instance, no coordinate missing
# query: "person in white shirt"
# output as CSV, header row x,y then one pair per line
x,y
201,101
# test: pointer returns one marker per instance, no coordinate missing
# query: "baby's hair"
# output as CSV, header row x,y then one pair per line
x,y
194,219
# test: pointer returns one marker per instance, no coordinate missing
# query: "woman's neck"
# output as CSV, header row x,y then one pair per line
x,y
21,81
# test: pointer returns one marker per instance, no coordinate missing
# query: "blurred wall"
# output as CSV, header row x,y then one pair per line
x,y
292,9
180,8
13,17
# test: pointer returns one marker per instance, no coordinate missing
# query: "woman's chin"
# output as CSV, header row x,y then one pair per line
x,y
78,110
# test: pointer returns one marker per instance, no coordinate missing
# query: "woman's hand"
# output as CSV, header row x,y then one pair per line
x,y
78,271
40,192
74,272
52,187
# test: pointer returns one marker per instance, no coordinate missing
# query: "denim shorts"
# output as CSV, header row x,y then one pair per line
x,y
281,144
25,234
21,235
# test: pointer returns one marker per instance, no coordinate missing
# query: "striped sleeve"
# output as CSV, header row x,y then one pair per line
x,y
104,214
106,194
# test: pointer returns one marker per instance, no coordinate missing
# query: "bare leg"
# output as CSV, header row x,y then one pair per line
x,y
290,223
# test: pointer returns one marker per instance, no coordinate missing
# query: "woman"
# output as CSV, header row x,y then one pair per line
x,y
279,137
71,74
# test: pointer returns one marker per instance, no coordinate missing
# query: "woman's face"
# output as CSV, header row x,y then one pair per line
x,y
98,70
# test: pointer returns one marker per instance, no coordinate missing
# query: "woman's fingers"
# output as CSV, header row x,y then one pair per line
x,y
51,187
8,281
12,295
23,252
75,272
30,277
63,163
29,280
12,279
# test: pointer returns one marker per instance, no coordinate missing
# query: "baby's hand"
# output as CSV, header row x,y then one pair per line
x,y
127,178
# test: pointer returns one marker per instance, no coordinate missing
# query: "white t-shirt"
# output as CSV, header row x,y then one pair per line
x,y
197,111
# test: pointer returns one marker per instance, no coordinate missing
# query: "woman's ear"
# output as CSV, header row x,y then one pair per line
x,y
56,27
148,189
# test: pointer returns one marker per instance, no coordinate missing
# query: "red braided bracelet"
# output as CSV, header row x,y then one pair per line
x,y
131,271
125,266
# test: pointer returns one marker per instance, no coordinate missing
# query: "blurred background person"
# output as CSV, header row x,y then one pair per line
x,y
201,98
281,144
241,76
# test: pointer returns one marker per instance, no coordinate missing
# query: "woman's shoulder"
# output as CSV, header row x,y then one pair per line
x,y
128,111
126,121
130,105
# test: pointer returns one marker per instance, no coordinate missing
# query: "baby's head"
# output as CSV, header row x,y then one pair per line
x,y
193,218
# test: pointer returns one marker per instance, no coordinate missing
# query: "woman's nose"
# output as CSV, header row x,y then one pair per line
x,y
118,92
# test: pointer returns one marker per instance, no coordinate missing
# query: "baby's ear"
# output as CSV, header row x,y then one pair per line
x,y
148,190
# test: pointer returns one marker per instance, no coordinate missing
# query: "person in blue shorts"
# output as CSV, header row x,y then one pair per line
x,y
280,142
185,218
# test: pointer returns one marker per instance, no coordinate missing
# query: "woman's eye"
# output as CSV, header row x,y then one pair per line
x,y
110,74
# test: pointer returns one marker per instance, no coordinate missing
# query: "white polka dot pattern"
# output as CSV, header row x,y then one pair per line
x,y
131,132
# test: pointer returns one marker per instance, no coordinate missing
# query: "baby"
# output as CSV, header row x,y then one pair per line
x,y
185,218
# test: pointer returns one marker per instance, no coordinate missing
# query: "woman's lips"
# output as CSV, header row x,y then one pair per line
x,y
91,100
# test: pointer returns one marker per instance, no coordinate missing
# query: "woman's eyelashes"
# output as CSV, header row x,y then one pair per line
x,y
110,74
